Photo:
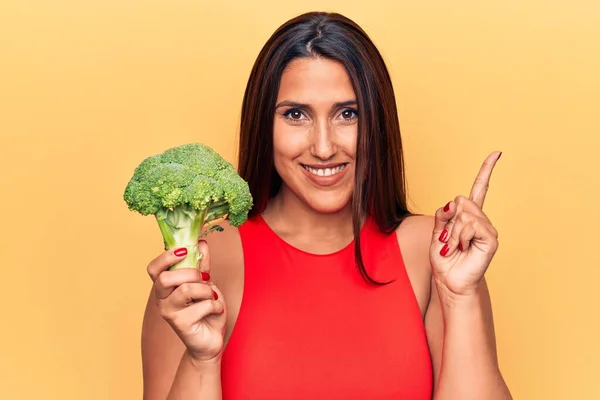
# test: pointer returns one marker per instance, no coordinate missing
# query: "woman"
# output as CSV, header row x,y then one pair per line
x,y
332,289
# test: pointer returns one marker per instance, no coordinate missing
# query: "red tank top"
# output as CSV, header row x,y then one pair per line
x,y
310,327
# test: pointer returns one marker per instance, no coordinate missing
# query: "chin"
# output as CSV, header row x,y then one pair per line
x,y
323,195
328,203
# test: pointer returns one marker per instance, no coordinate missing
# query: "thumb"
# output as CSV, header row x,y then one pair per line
x,y
204,262
443,215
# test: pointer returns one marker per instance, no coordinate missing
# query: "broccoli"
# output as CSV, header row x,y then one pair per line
x,y
188,188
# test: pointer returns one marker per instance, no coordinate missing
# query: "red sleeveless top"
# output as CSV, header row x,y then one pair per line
x,y
310,327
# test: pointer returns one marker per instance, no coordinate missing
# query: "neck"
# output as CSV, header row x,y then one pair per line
x,y
290,217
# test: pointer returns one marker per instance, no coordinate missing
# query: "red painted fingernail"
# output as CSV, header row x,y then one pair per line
x,y
447,207
444,235
215,295
180,252
460,247
205,276
445,249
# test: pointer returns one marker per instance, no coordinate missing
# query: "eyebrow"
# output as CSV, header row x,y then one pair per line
x,y
293,104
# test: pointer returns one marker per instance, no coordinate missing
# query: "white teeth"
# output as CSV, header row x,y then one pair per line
x,y
326,171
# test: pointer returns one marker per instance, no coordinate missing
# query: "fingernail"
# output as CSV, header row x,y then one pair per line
x,y
445,249
444,235
215,295
180,252
447,207
460,247
205,276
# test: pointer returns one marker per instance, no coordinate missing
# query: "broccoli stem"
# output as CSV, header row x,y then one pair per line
x,y
217,210
182,227
165,230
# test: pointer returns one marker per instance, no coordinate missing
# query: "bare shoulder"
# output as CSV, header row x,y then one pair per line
x,y
419,226
414,239
414,236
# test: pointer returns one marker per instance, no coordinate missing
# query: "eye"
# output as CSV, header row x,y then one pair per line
x,y
294,115
349,114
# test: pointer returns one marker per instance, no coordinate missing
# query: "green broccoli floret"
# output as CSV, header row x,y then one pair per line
x,y
188,188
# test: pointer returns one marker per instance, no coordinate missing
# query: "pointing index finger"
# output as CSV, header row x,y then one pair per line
x,y
482,182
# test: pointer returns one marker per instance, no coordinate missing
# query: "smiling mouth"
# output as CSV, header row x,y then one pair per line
x,y
325,171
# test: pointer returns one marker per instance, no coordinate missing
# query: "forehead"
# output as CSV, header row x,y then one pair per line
x,y
314,80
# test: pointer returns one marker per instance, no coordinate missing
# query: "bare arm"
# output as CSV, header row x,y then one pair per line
x,y
461,336
169,372
463,242
162,351
172,370
463,348
196,381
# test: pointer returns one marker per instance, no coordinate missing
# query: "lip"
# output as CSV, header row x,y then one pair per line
x,y
325,180
323,166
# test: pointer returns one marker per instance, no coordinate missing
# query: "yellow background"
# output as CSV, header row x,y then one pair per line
x,y
90,88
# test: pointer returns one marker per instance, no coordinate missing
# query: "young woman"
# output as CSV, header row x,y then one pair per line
x,y
332,289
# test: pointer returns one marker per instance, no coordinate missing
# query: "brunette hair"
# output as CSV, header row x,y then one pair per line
x,y
380,187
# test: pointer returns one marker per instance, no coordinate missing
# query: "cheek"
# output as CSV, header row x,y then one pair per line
x,y
288,143
346,139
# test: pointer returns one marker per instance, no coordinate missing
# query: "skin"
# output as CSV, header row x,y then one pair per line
x,y
186,330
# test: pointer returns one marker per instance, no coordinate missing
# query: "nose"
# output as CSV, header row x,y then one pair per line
x,y
323,146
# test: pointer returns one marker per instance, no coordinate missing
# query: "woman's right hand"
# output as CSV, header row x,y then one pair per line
x,y
190,303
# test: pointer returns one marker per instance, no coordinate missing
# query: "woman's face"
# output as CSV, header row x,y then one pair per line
x,y
315,128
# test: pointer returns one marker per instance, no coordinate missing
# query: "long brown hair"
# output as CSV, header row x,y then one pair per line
x,y
380,187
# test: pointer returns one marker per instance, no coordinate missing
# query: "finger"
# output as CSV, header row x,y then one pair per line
x,y
485,236
465,204
189,293
168,281
204,263
466,235
473,232
482,181
454,232
443,216
199,311
165,260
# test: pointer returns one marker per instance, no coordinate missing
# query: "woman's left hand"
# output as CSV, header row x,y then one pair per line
x,y
464,240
